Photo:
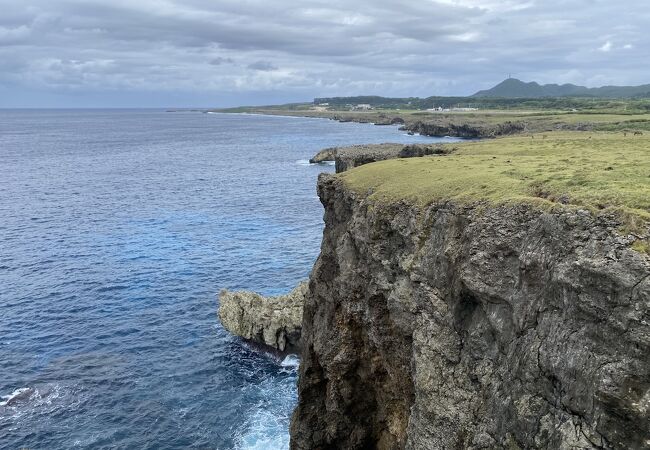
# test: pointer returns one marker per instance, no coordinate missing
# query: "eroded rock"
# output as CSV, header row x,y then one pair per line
x,y
325,155
272,321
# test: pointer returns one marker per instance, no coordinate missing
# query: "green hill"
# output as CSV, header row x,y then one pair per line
x,y
514,88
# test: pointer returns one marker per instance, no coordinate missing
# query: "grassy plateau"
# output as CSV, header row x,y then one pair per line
x,y
595,171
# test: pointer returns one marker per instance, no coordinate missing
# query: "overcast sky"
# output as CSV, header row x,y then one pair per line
x,y
130,53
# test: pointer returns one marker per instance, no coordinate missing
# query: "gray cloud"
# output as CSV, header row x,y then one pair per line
x,y
227,49
217,61
264,66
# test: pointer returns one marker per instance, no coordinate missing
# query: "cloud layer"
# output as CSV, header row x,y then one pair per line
x,y
224,52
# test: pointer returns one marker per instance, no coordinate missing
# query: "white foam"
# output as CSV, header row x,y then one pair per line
x,y
20,394
265,433
267,423
291,361
305,162
33,402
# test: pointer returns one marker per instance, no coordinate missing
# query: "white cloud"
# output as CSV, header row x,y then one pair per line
x,y
606,47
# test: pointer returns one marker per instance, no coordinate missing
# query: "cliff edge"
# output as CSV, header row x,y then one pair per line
x,y
436,319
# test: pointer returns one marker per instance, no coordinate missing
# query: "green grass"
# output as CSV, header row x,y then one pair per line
x,y
596,171
641,246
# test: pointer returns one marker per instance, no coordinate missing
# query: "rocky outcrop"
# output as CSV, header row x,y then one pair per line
x,y
272,321
347,158
358,155
472,327
325,155
465,130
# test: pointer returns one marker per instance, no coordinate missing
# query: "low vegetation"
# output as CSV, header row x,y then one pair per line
x,y
596,171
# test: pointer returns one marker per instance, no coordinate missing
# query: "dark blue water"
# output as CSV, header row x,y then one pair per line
x,y
117,229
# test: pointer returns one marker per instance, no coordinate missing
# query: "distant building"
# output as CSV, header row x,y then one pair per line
x,y
323,104
364,106
440,109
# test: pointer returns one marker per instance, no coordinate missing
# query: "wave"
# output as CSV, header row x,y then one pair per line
x,y
20,395
305,162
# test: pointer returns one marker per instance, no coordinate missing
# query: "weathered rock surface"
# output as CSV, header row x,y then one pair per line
x,y
327,154
272,321
444,127
347,158
472,327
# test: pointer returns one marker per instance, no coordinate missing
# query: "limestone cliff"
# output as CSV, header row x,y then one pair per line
x,y
469,326
272,321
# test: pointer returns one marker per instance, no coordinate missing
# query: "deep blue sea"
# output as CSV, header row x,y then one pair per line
x,y
117,229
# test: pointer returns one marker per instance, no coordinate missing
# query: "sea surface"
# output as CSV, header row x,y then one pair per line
x,y
117,230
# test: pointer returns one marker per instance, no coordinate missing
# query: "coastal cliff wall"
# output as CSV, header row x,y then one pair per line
x,y
472,327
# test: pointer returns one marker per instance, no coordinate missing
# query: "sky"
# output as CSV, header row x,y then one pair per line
x,y
217,53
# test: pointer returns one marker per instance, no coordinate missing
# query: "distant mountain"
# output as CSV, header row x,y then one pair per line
x,y
514,88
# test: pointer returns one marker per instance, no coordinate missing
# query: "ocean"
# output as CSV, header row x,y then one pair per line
x,y
117,230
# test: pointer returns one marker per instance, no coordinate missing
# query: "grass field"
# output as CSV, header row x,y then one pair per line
x,y
596,171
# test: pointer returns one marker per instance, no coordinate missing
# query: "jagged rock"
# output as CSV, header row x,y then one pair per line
x,y
472,327
357,155
272,321
465,130
328,154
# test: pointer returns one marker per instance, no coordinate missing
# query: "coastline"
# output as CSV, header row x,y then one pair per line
x,y
477,124
374,304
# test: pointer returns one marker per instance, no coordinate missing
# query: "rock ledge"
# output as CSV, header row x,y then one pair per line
x,y
272,321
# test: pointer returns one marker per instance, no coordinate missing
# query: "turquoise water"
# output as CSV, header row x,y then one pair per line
x,y
117,229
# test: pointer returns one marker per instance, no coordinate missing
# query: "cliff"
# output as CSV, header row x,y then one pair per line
x,y
439,320
346,158
272,321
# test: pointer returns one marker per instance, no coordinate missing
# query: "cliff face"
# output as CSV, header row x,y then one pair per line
x,y
472,328
272,321
465,130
